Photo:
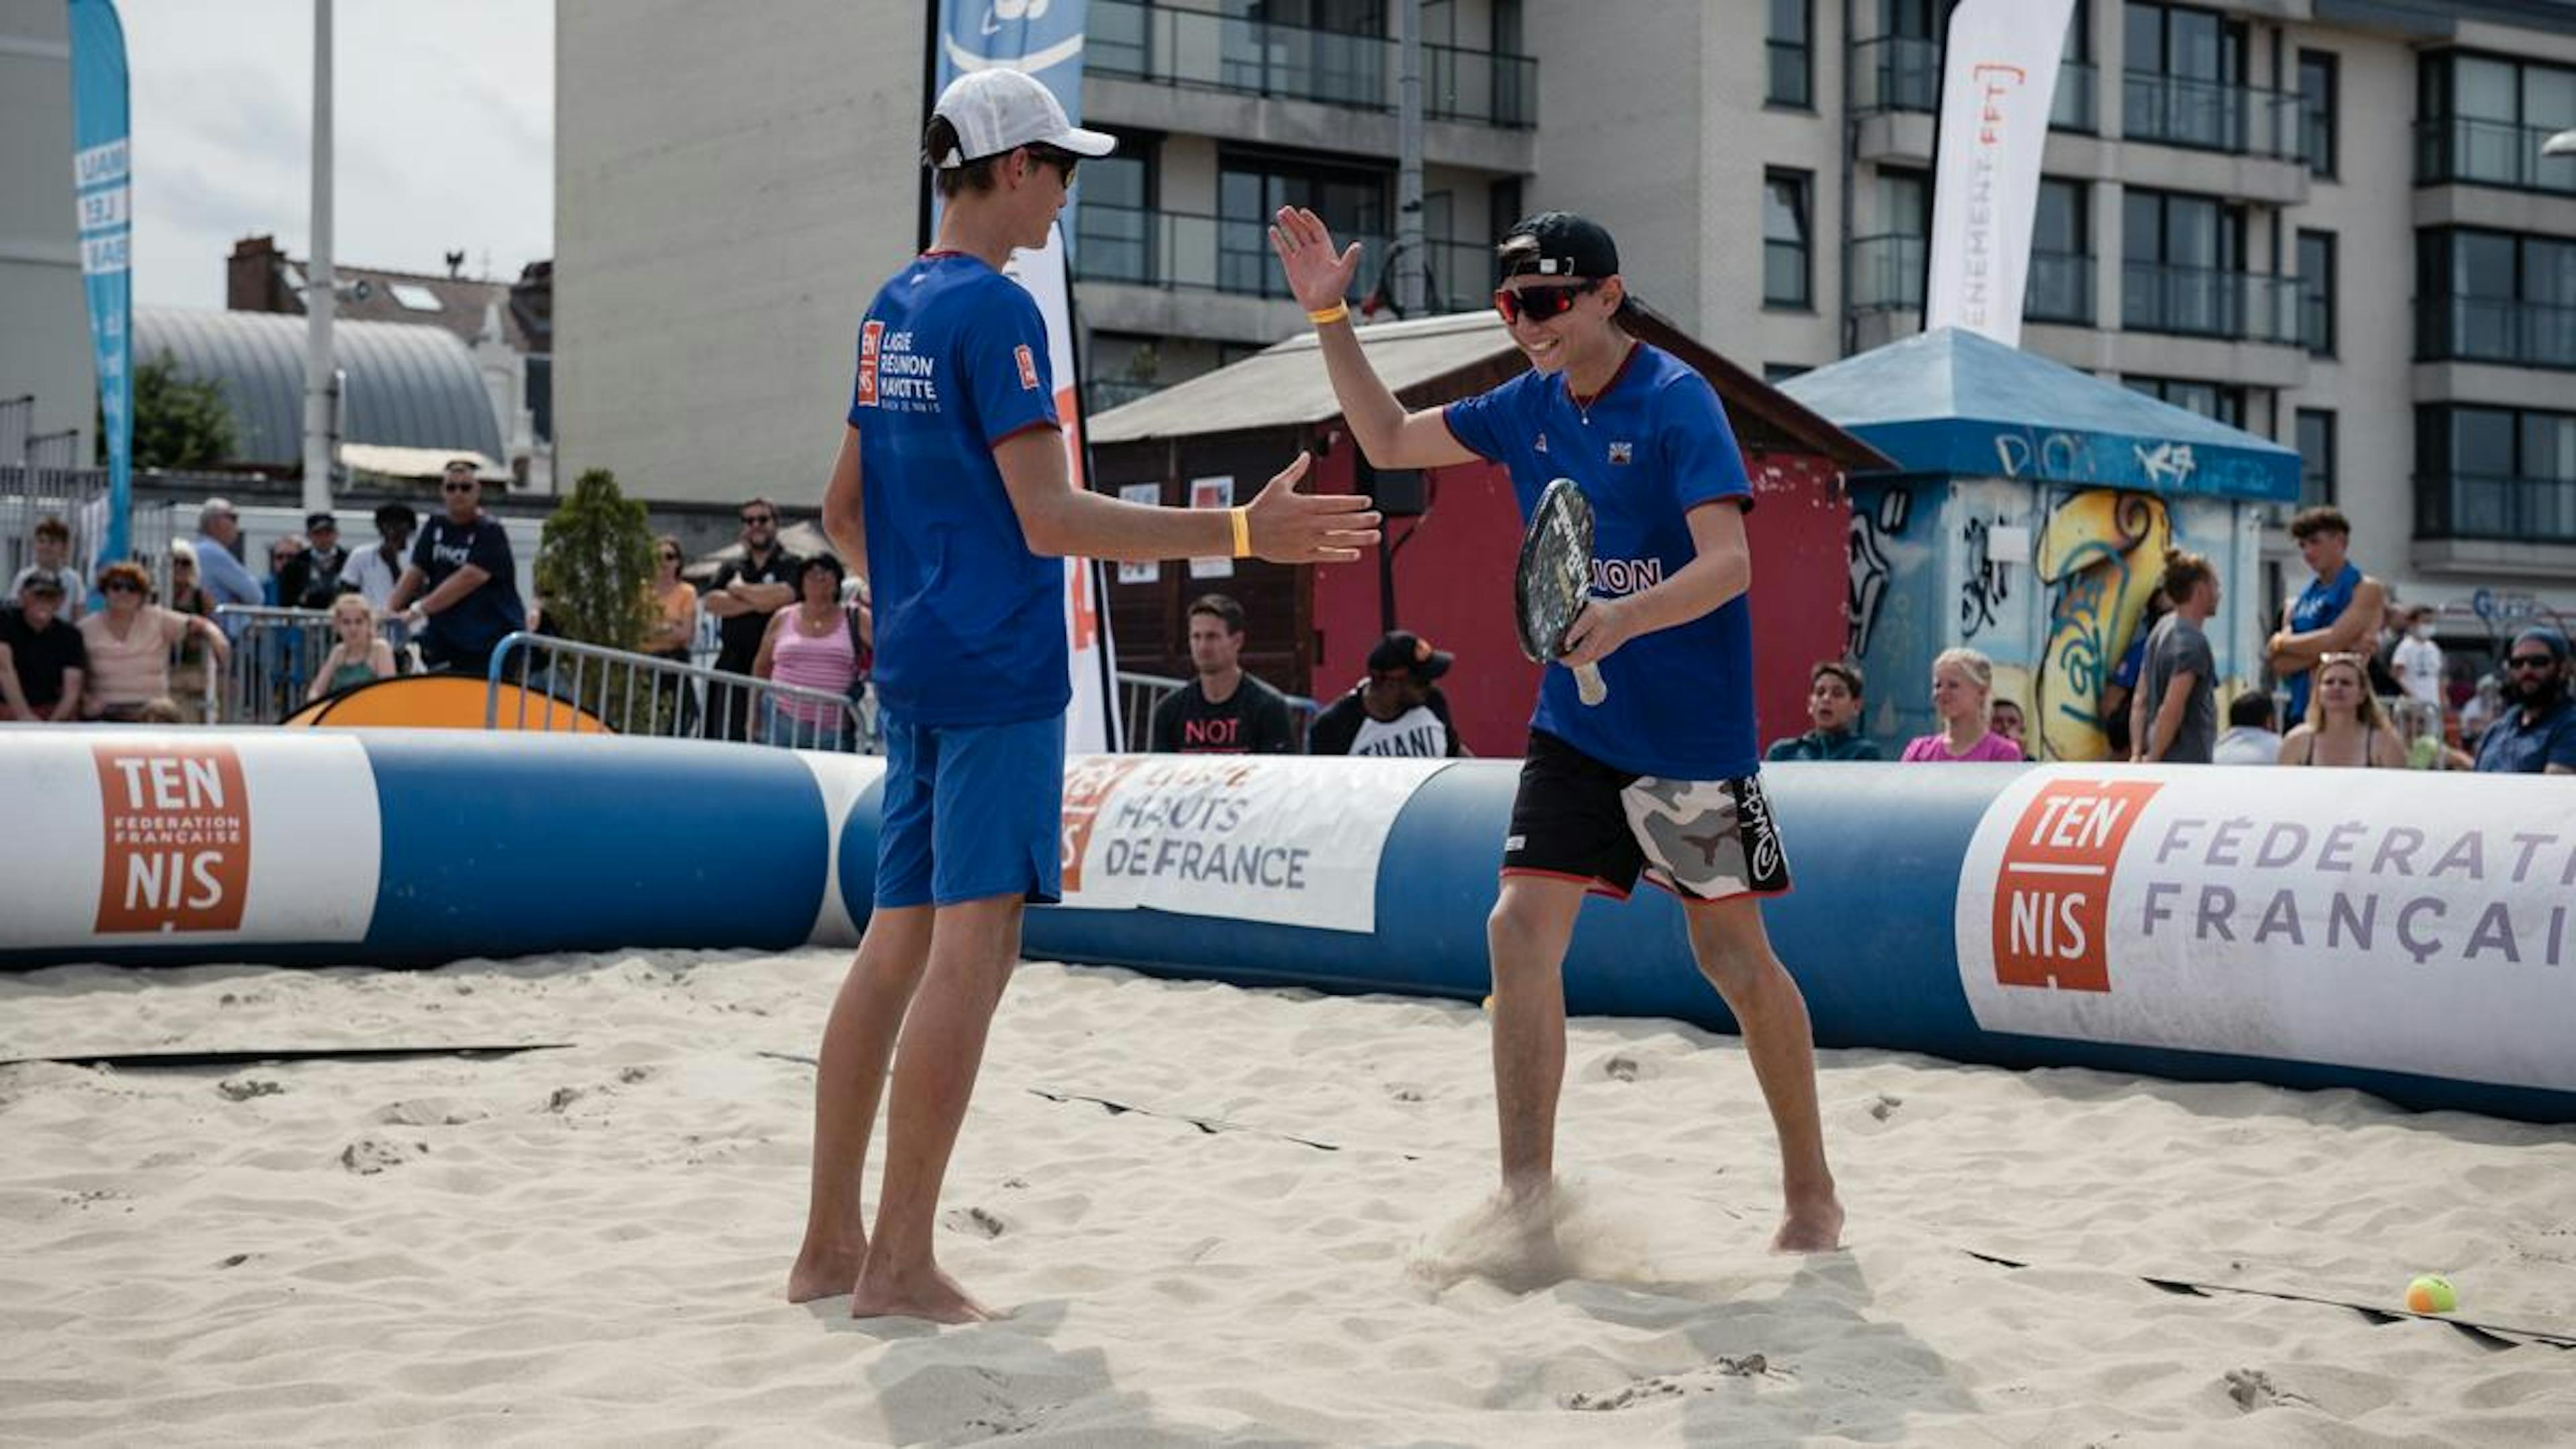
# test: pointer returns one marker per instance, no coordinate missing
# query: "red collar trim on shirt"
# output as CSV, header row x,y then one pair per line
x,y
1589,403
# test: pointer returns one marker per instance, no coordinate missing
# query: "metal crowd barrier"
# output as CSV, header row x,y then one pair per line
x,y
639,694
277,653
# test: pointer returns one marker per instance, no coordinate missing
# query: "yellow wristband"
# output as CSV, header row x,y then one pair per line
x,y
1338,312
1242,531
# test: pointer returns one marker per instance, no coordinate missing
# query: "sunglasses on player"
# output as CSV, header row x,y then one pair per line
x,y
1540,304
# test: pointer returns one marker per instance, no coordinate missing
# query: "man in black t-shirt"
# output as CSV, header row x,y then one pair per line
x,y
42,658
740,598
1223,711
1397,711
465,580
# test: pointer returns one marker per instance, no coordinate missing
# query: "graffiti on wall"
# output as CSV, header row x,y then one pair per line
x,y
1872,529
1989,583
2102,552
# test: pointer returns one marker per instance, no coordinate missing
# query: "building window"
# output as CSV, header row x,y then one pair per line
x,y
2317,292
1792,48
2317,111
1887,265
1250,190
2185,81
2491,296
2223,402
2316,457
2495,473
2060,287
1787,270
1114,226
2484,120
2183,271
2072,108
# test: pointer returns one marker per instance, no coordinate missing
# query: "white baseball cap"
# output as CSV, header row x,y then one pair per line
x,y
998,110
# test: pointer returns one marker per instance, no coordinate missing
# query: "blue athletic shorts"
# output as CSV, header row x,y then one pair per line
x,y
972,811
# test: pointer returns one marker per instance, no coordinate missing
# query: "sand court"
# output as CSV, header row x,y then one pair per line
x,y
1216,1215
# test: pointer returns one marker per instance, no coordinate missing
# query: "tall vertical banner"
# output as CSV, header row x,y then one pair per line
x,y
1044,38
103,195
1999,77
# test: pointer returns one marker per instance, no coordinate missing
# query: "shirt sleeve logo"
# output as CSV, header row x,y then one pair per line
x,y
1028,367
871,342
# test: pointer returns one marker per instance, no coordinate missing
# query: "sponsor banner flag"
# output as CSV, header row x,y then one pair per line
x,y
2296,915
159,837
1045,38
103,194
1999,77
1284,839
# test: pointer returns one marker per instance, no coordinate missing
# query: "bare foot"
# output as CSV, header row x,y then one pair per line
x,y
824,1272
928,1294
1811,1225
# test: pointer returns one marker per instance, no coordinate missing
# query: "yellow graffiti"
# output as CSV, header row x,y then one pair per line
x,y
2102,552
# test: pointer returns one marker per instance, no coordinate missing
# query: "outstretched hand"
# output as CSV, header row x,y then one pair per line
x,y
1317,275
1292,527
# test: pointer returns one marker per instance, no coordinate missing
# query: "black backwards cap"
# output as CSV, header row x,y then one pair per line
x,y
1556,244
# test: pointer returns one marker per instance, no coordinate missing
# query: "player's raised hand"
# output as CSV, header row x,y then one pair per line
x,y
1317,275
1292,527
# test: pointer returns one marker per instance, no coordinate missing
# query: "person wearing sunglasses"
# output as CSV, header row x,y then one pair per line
x,y
128,644
2536,734
1661,779
460,592
746,592
952,490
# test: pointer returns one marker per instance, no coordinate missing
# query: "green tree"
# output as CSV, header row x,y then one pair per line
x,y
178,423
595,565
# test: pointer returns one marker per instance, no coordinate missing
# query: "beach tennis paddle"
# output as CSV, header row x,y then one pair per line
x,y
1554,581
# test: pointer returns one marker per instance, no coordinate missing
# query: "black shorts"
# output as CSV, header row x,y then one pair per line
x,y
1579,819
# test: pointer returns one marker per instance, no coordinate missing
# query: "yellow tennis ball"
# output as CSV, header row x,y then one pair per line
x,y
2431,1294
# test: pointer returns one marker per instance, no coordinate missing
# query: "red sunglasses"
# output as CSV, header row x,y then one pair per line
x,y
1540,304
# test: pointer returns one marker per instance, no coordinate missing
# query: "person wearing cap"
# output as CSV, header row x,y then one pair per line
x,y
1221,710
1834,689
373,571
951,490
1661,778
311,579
1397,711
53,540
463,578
2536,734
219,562
42,658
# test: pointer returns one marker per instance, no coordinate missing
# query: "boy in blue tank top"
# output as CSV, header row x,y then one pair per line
x,y
1661,779
2338,612
951,490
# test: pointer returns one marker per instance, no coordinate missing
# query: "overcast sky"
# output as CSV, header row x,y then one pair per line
x,y
443,129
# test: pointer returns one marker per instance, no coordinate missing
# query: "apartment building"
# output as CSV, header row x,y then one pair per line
x,y
2327,221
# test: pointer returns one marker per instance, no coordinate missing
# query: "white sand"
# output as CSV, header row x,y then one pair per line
x,y
589,1244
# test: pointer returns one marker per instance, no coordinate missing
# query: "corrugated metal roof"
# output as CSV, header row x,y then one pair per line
x,y
1284,385
406,385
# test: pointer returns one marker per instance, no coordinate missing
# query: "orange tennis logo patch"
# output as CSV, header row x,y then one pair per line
x,y
2053,891
871,342
178,838
1028,367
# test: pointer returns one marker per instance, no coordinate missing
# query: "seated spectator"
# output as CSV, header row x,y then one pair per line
x,y
1963,686
1396,711
812,644
2344,726
42,660
54,556
282,556
2249,738
1221,710
162,712
2536,734
2008,723
187,596
359,653
1834,708
129,644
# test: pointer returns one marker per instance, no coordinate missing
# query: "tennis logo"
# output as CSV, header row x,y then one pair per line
x,y
871,343
177,838
2053,890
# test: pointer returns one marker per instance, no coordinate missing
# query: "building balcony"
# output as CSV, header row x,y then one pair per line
x,y
2496,330
2205,115
1903,73
1887,272
2493,507
1200,49
2060,289
1173,250
2463,150
2209,302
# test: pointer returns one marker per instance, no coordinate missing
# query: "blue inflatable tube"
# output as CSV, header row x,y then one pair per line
x,y
2400,934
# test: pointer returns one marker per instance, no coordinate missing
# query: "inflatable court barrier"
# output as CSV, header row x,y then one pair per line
x,y
2403,934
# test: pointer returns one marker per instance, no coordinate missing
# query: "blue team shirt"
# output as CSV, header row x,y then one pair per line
x,y
2319,604
969,622
1652,447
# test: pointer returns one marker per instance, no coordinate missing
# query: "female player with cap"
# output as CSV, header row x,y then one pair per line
x,y
1662,778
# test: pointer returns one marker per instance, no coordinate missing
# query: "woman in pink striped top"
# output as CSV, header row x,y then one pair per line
x,y
1963,696
814,645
